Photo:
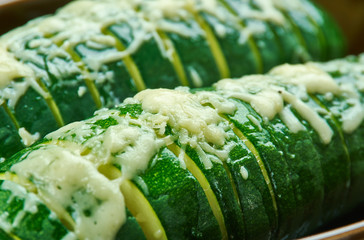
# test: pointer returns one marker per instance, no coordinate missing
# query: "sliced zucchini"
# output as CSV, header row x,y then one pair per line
x,y
24,216
101,56
270,156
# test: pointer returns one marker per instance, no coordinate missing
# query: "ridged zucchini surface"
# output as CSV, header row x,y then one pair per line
x,y
91,54
269,156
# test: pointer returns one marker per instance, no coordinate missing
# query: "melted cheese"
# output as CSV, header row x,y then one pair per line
x,y
252,28
196,79
65,171
27,138
314,79
130,144
69,26
255,121
350,87
84,21
68,171
81,91
158,9
30,205
66,179
311,116
69,236
71,167
266,11
192,119
11,69
257,90
268,8
266,94
244,173
4,223
353,117
184,111
131,147
291,120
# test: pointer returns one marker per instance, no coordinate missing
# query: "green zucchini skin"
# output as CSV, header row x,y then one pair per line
x,y
34,221
130,230
187,206
82,65
9,136
273,183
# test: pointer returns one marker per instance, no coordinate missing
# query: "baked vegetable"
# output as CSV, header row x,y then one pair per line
x,y
262,157
92,54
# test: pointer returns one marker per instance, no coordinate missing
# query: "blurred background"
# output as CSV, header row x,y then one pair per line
x,y
350,16
348,13
14,13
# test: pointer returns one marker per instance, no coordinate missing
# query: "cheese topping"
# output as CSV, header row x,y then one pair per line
x,y
184,111
11,69
81,91
311,116
30,205
68,171
196,79
266,11
353,117
253,27
68,175
83,22
267,94
131,143
312,78
64,178
257,90
244,173
131,147
255,121
27,138
291,120
351,87
192,118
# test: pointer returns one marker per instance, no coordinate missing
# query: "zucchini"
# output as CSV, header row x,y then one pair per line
x,y
26,216
100,56
271,156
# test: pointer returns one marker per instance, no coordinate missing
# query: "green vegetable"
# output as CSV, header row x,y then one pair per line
x,y
270,156
26,215
92,54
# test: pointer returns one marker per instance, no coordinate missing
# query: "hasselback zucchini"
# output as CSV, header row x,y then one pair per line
x,y
91,54
262,157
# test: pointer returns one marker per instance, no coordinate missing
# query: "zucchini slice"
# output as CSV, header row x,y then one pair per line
x,y
99,57
271,156
25,216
